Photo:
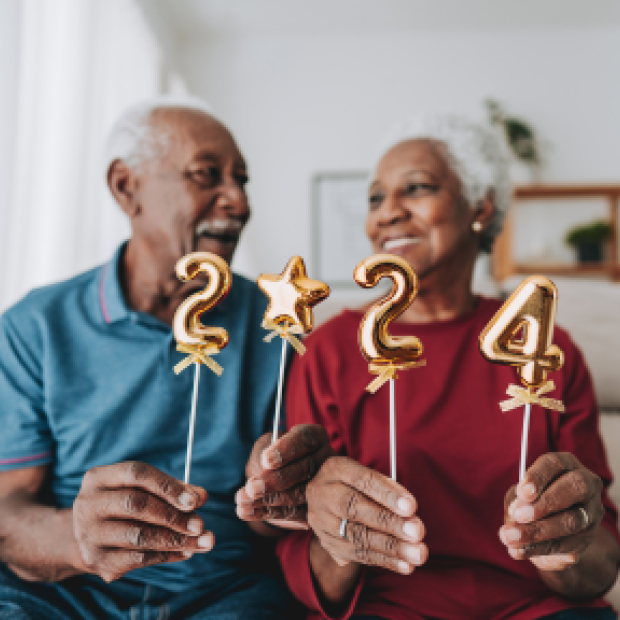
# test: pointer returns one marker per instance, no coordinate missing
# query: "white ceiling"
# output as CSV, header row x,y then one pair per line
x,y
200,17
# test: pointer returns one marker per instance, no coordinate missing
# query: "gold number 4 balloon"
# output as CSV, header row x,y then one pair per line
x,y
520,334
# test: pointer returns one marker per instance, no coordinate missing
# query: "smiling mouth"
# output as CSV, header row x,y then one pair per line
x,y
393,244
223,231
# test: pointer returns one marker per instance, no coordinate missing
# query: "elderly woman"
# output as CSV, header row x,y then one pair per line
x,y
454,538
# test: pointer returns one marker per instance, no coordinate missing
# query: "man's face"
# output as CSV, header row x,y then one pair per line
x,y
193,199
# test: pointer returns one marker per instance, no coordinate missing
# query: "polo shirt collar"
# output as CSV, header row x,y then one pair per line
x,y
113,306
111,299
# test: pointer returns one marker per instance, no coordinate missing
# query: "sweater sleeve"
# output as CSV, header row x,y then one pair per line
x,y
579,431
311,399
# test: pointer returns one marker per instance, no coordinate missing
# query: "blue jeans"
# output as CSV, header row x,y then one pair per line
x,y
248,597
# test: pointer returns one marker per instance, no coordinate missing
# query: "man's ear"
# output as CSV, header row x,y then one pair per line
x,y
485,210
123,183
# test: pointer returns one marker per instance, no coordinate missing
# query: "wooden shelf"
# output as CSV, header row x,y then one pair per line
x,y
504,264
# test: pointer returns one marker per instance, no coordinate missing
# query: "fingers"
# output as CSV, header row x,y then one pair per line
x,y
286,476
293,497
141,506
574,487
344,552
120,562
360,538
301,441
254,467
348,503
371,484
182,496
545,470
568,532
141,536
251,512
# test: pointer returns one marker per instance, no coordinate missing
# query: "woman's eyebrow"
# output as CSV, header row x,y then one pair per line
x,y
419,171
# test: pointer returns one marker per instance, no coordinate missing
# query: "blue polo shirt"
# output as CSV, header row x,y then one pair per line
x,y
85,381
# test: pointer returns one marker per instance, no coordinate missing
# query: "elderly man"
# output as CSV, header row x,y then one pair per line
x,y
93,519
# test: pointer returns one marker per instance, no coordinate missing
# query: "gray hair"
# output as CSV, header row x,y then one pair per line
x,y
133,138
477,155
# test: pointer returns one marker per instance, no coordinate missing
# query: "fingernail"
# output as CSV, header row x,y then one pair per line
x,y
412,530
405,505
404,568
524,513
510,534
187,499
206,541
273,457
255,487
188,554
529,490
516,554
194,525
245,510
413,553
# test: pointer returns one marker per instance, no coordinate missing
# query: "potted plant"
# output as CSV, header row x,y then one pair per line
x,y
588,240
521,141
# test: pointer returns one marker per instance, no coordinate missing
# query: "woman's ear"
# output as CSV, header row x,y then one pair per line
x,y
484,212
124,183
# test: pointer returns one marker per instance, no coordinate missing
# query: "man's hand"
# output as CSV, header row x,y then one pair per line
x,y
553,514
381,529
131,515
278,474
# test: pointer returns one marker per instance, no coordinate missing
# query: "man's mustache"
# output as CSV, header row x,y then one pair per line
x,y
227,226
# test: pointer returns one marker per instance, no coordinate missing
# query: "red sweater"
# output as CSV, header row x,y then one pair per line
x,y
458,454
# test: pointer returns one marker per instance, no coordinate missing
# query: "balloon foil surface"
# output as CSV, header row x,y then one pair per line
x,y
187,328
292,295
376,343
521,332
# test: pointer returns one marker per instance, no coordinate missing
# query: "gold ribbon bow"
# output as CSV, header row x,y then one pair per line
x,y
198,354
387,372
523,396
285,332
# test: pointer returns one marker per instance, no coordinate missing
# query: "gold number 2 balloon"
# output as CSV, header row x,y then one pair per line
x,y
386,353
194,338
520,334
378,346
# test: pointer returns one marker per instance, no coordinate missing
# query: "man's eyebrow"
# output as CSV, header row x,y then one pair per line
x,y
206,156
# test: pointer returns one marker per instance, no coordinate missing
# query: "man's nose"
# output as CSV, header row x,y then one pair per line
x,y
233,200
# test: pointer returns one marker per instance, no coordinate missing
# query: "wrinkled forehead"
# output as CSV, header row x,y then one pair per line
x,y
190,133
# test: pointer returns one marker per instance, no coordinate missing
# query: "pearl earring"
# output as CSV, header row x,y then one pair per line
x,y
476,226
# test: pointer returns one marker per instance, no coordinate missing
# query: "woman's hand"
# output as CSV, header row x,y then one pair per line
x,y
553,514
381,528
278,474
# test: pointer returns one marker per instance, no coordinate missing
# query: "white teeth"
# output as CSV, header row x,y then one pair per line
x,y
218,226
392,244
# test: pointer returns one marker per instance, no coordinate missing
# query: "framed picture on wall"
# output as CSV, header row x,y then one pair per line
x,y
339,243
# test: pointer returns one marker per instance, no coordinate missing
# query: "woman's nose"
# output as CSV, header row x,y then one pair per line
x,y
392,211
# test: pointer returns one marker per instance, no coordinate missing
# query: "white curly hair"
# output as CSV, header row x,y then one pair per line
x,y
135,140
476,153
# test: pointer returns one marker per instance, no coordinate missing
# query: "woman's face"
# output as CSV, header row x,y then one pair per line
x,y
417,210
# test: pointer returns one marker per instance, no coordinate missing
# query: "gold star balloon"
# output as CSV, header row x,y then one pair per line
x,y
292,295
